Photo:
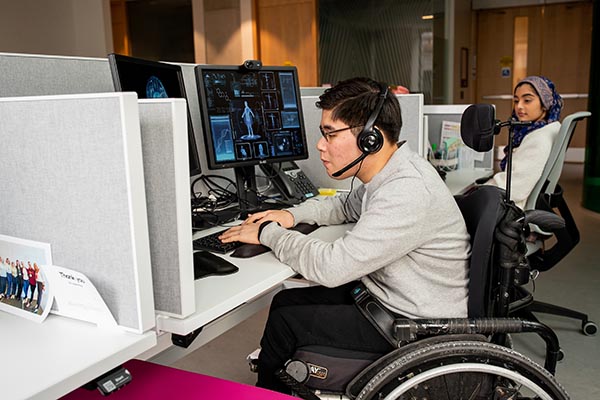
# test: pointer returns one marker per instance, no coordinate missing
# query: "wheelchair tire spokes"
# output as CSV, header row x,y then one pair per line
x,y
460,370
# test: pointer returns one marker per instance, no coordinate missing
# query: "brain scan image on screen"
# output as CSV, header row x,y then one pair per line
x,y
155,88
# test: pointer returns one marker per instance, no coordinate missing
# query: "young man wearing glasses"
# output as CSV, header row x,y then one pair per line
x,y
409,246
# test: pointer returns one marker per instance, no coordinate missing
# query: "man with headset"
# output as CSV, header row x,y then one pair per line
x,y
409,246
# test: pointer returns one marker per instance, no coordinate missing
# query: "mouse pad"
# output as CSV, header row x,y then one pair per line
x,y
251,250
207,264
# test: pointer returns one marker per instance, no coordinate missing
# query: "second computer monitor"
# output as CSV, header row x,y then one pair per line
x,y
153,79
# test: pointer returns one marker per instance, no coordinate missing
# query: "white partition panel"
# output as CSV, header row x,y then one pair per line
x,y
72,176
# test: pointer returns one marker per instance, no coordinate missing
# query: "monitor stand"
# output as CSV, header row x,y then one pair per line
x,y
245,180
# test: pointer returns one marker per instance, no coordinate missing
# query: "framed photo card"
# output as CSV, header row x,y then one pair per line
x,y
24,289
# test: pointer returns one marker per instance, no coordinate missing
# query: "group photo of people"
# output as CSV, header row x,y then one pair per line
x,y
23,287
21,284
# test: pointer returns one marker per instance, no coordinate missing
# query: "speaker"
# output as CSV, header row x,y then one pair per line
x,y
370,139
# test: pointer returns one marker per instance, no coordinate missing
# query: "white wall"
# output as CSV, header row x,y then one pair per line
x,y
59,27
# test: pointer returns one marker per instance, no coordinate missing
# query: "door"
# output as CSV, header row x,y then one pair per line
x,y
550,40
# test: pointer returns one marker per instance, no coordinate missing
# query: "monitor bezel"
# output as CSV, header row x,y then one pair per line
x,y
206,129
114,60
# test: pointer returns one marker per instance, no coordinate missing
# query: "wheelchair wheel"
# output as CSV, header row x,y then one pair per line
x,y
463,370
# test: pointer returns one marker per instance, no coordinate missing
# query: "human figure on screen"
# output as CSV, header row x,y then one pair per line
x,y
409,246
535,99
248,118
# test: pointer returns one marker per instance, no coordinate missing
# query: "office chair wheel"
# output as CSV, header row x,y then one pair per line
x,y
463,370
589,328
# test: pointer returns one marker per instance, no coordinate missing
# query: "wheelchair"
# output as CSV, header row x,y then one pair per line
x,y
469,358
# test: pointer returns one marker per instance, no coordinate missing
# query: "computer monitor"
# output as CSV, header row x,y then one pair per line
x,y
153,79
251,114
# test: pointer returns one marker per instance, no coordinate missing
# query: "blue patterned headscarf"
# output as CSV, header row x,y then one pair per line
x,y
551,101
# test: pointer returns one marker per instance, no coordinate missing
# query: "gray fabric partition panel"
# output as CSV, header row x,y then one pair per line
x,y
72,176
37,75
412,131
164,142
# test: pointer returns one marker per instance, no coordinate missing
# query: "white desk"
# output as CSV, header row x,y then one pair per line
x,y
460,180
224,301
49,360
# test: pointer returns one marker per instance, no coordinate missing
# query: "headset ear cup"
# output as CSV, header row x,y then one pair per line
x,y
371,141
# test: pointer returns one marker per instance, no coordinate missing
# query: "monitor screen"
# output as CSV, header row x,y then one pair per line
x,y
250,116
153,79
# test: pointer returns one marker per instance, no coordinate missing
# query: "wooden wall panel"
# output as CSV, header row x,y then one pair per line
x,y
287,34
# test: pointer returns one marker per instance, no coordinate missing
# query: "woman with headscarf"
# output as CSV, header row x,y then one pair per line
x,y
536,100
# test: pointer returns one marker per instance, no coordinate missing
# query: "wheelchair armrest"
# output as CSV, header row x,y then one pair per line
x,y
547,222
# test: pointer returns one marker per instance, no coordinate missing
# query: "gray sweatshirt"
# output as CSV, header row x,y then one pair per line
x,y
409,246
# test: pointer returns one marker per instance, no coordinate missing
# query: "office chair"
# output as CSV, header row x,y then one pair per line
x,y
547,195
457,358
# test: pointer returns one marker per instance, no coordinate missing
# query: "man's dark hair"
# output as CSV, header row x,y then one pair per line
x,y
353,100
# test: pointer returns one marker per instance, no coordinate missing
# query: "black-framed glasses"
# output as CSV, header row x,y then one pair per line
x,y
326,135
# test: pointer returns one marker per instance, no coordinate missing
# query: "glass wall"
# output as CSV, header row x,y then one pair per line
x,y
397,42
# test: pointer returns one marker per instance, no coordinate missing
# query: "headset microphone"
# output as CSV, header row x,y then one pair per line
x,y
352,164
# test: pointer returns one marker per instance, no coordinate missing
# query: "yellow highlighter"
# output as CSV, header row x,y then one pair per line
x,y
327,192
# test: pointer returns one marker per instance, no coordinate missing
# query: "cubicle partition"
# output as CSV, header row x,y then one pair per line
x,y
412,131
38,75
167,176
72,176
435,115
166,168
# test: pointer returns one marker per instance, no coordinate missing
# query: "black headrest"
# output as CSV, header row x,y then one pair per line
x,y
478,126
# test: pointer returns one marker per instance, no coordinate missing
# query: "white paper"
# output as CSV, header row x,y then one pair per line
x,y
75,296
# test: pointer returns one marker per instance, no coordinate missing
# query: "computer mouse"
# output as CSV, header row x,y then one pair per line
x,y
252,250
207,264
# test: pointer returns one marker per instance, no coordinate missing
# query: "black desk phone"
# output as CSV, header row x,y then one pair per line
x,y
289,179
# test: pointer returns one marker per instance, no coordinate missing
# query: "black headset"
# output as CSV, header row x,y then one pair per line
x,y
370,139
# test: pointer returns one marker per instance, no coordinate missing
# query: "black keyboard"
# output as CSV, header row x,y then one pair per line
x,y
212,243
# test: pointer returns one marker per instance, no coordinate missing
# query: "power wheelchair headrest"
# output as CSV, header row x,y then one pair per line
x,y
478,126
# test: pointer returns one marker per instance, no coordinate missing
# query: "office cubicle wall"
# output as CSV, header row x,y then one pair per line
x,y
412,131
32,75
166,168
38,75
72,176
434,115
